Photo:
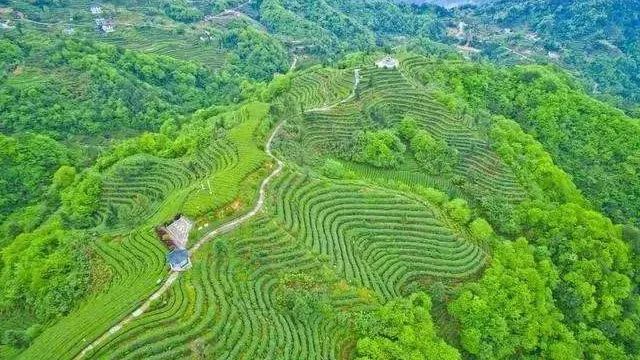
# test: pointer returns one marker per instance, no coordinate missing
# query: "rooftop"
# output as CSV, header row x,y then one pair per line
x,y
179,231
179,260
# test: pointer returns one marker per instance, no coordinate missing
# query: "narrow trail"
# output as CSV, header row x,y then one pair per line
x,y
356,82
222,229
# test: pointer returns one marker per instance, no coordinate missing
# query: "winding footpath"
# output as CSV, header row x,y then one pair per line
x,y
220,230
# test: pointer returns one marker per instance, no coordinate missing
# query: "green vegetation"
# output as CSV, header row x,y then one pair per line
x,y
598,38
445,208
403,329
602,160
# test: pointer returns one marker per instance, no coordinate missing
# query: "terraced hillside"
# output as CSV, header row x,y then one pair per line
x,y
330,130
275,288
288,284
146,191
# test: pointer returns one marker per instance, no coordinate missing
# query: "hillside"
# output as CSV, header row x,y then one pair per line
x,y
352,180
385,192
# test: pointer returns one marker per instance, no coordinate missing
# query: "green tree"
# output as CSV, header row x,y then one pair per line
x,y
510,312
402,329
459,210
380,148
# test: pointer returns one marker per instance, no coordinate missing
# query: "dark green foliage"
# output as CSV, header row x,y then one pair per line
x,y
598,37
90,88
255,53
510,312
181,11
28,162
402,329
434,155
330,27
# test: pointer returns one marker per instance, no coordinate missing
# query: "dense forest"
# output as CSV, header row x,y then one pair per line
x,y
453,206
599,39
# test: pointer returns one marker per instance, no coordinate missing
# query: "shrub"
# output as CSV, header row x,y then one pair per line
x,y
481,229
435,155
459,210
434,196
380,148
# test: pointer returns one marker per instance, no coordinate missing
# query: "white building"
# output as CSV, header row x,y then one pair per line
x,y
387,63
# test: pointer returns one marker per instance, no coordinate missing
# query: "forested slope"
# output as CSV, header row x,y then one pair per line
x,y
446,208
599,39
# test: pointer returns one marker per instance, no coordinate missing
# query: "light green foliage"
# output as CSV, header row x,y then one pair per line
x,y
510,312
380,148
407,128
459,210
333,169
402,330
80,202
592,141
532,163
434,196
64,176
44,271
481,229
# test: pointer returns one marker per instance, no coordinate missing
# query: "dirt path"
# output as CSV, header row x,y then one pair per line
x,y
222,229
356,82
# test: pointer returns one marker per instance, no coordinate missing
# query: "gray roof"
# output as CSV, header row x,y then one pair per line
x,y
178,259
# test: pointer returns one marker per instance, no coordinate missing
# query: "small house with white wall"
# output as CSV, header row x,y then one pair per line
x,y
387,63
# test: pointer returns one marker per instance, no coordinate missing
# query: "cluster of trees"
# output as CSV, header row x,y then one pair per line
x,y
510,312
255,53
579,267
88,88
331,27
434,155
381,148
181,11
401,329
27,163
386,148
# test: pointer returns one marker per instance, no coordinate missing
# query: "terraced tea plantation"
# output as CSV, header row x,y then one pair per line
x,y
285,284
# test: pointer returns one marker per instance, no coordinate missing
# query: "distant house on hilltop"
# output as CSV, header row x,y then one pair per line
x,y
387,63
176,236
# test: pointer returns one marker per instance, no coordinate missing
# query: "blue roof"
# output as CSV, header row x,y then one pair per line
x,y
178,258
